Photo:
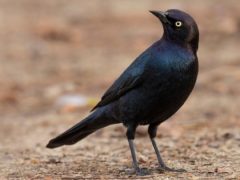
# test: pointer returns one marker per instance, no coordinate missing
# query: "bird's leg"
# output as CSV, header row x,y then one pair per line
x,y
131,135
134,158
152,131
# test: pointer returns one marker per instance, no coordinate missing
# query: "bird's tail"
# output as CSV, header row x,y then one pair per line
x,y
82,129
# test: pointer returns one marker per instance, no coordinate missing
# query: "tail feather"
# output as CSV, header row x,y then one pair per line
x,y
82,129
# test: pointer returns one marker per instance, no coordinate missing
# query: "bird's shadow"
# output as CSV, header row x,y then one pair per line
x,y
145,171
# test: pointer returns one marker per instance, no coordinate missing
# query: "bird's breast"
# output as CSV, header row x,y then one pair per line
x,y
170,81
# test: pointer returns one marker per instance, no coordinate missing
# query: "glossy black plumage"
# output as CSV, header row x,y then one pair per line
x,y
151,89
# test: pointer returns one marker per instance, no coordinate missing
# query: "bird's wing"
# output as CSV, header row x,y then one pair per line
x,y
132,77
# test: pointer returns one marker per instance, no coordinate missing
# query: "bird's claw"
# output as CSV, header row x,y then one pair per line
x,y
138,172
165,168
142,172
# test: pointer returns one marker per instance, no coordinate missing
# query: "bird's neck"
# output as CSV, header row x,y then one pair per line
x,y
192,45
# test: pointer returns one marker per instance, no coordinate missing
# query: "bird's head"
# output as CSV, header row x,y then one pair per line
x,y
179,27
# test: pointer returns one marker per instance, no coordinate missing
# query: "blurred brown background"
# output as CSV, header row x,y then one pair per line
x,y
55,52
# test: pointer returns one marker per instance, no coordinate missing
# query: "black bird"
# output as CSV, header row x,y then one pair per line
x,y
150,90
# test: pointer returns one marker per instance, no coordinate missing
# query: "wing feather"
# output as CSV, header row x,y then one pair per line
x,y
132,77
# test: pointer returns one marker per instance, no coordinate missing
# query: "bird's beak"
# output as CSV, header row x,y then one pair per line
x,y
162,16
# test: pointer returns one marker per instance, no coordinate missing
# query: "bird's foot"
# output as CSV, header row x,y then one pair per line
x,y
163,169
138,171
142,172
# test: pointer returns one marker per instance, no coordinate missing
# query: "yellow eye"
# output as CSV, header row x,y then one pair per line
x,y
178,23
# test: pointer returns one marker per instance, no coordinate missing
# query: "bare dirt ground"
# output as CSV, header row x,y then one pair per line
x,y
52,48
